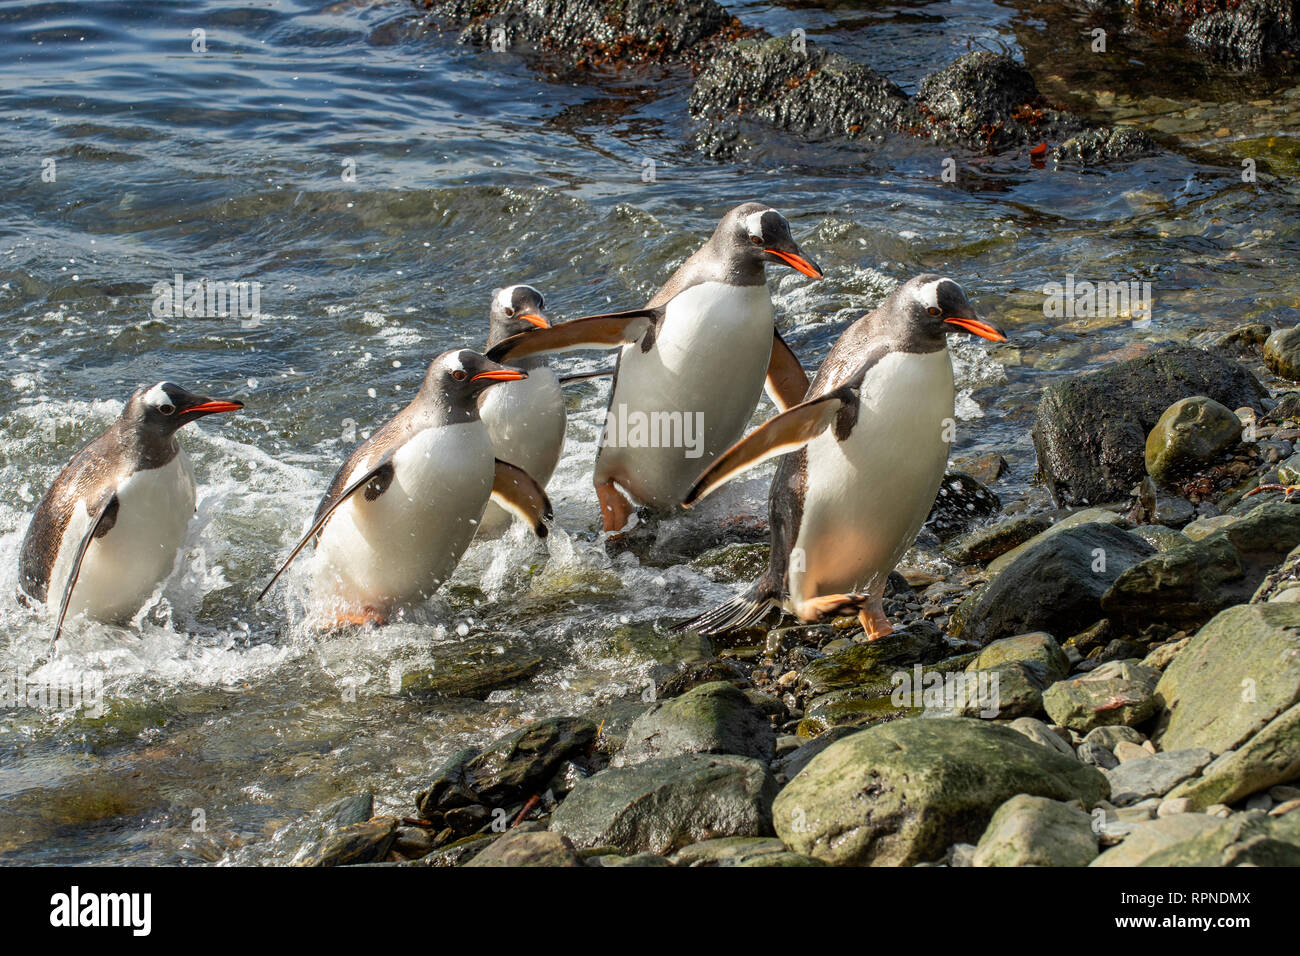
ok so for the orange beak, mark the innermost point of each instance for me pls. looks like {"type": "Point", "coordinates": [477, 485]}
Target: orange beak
{"type": "Point", "coordinates": [796, 262]}
{"type": "Point", "coordinates": [536, 318]}
{"type": "Point", "coordinates": [978, 327]}
{"type": "Point", "coordinates": [207, 408]}
{"type": "Point", "coordinates": [501, 375]}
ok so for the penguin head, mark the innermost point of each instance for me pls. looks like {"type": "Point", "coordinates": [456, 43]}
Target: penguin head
{"type": "Point", "coordinates": [158, 410]}
{"type": "Point", "coordinates": [515, 309]}
{"type": "Point", "coordinates": [461, 375]}
{"type": "Point", "coordinates": [759, 234]}
{"type": "Point", "coordinates": [932, 307]}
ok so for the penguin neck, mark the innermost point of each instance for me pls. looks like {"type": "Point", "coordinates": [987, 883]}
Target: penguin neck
{"type": "Point", "coordinates": [146, 447]}
{"type": "Point", "coordinates": [434, 410]}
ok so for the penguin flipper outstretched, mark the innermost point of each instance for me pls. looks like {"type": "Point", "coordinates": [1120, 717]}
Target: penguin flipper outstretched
{"type": "Point", "coordinates": [381, 476]}
{"type": "Point", "coordinates": [781, 435]}
{"type": "Point", "coordinates": [608, 330]}
{"type": "Point", "coordinates": [574, 379]}
{"type": "Point", "coordinates": [517, 492]}
{"type": "Point", "coordinates": [787, 382]}
{"type": "Point", "coordinates": [102, 522]}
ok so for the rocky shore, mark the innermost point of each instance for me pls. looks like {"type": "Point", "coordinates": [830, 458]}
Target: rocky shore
{"type": "Point", "coordinates": [1111, 684]}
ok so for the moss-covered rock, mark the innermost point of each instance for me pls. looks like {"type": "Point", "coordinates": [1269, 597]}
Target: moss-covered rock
{"type": "Point", "coordinates": [1118, 692]}
{"type": "Point", "coordinates": [1192, 433]}
{"type": "Point", "coordinates": [712, 718]}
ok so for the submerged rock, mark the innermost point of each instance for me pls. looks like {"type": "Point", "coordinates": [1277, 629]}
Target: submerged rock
{"type": "Point", "coordinates": [1105, 144]}
{"type": "Point", "coordinates": [1035, 831]}
{"type": "Point", "coordinates": [367, 842]}
{"type": "Point", "coordinates": [470, 669]}
{"type": "Point", "coordinates": [664, 804]}
{"type": "Point", "coordinates": [1090, 431]}
{"type": "Point", "coordinates": [903, 792]}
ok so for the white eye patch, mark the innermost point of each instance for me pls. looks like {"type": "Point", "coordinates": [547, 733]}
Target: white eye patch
{"type": "Point", "coordinates": [156, 397]}
{"type": "Point", "coordinates": [505, 297]}
{"type": "Point", "coordinates": [928, 294]}
{"type": "Point", "coordinates": [754, 223]}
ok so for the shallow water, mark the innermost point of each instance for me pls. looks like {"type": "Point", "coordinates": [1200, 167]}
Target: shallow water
{"type": "Point", "coordinates": [472, 171]}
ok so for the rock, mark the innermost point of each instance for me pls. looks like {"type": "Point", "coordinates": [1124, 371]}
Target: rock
{"type": "Point", "coordinates": [357, 808]}
{"type": "Point", "coordinates": [459, 852]}
{"type": "Point", "coordinates": [582, 33]}
{"type": "Point", "coordinates": [1156, 775]}
{"type": "Point", "coordinates": [1160, 537]}
{"type": "Point", "coordinates": [1067, 522]}
{"type": "Point", "coordinates": [1163, 655]}
{"type": "Point", "coordinates": [470, 669]}
{"type": "Point", "coordinates": [1120, 692]}
{"type": "Point", "coordinates": [1109, 736]}
{"type": "Point", "coordinates": [1103, 145]}
{"type": "Point", "coordinates": [813, 94]}
{"type": "Point", "coordinates": [788, 767]}
{"type": "Point", "coordinates": [1095, 755]}
{"type": "Point", "coordinates": [1009, 690]}
{"type": "Point", "coordinates": [1090, 432]}
{"type": "Point", "coordinates": [984, 468]}
{"type": "Point", "coordinates": [1249, 36]}
{"type": "Point", "coordinates": [1282, 353]}
{"type": "Point", "coordinates": [1126, 751]}
{"type": "Point", "coordinates": [781, 859]}
{"type": "Point", "coordinates": [988, 102]}
{"type": "Point", "coordinates": [1238, 673]}
{"type": "Point", "coordinates": [528, 848]}
{"type": "Point", "coordinates": [1034, 831]}
{"type": "Point", "coordinates": [1037, 651]}
{"type": "Point", "coordinates": [704, 672]}
{"type": "Point", "coordinates": [1192, 432]}
{"type": "Point", "coordinates": [509, 771]}
{"type": "Point", "coordinates": [1240, 840]}
{"type": "Point", "coordinates": [1173, 806]}
{"type": "Point", "coordinates": [873, 662]}
{"type": "Point", "coordinates": [1184, 587]}
{"type": "Point", "coordinates": [636, 859]}
{"type": "Point", "coordinates": [1202, 528]}
{"type": "Point", "coordinates": [900, 793]}
{"type": "Point", "coordinates": [367, 842]}
{"type": "Point", "coordinates": [985, 544]}
{"type": "Point", "coordinates": [961, 503]}
{"type": "Point", "coordinates": [662, 805]}
{"type": "Point", "coordinates": [1054, 585]}
{"type": "Point", "coordinates": [1149, 839]}
{"type": "Point", "coordinates": [712, 718]}
{"type": "Point", "coordinates": [727, 851]}
{"type": "Point", "coordinates": [1270, 757]}
{"type": "Point", "coordinates": [613, 720]}
{"type": "Point", "coordinates": [1039, 732]}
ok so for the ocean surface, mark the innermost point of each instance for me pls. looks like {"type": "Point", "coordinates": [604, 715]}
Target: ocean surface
{"type": "Point", "coordinates": [379, 181]}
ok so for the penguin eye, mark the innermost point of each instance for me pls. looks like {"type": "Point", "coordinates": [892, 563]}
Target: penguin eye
{"type": "Point", "coordinates": [756, 240]}
{"type": "Point", "coordinates": [167, 409]}
{"type": "Point", "coordinates": [509, 311]}
{"type": "Point", "coordinates": [934, 310]}
{"type": "Point", "coordinates": [458, 375]}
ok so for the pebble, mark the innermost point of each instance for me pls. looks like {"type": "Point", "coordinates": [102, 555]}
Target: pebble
{"type": "Point", "coordinates": [1285, 807]}
{"type": "Point", "coordinates": [1260, 802]}
{"type": "Point", "coordinates": [1220, 810]}
{"type": "Point", "coordinates": [1284, 793]}
{"type": "Point", "coordinates": [1126, 750]}
{"type": "Point", "coordinates": [1172, 806]}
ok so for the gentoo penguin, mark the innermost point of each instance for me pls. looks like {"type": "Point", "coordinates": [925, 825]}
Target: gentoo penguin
{"type": "Point", "coordinates": [691, 365]}
{"type": "Point", "coordinates": [524, 419]}
{"type": "Point", "coordinates": [108, 529]}
{"type": "Point", "coordinates": [403, 508]}
{"type": "Point", "coordinates": [864, 456]}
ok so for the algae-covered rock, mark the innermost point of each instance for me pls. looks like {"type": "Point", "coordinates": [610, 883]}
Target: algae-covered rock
{"type": "Point", "coordinates": [711, 718]}
{"type": "Point", "coordinates": [1270, 757]}
{"type": "Point", "coordinates": [1118, 692]}
{"type": "Point", "coordinates": [1038, 651]}
{"type": "Point", "coordinates": [902, 792]}
{"type": "Point", "coordinates": [664, 804]}
{"type": "Point", "coordinates": [1035, 831]}
{"type": "Point", "coordinates": [1238, 673]}
{"type": "Point", "coordinates": [1191, 433]}
{"type": "Point", "coordinates": [529, 848]}
{"type": "Point", "coordinates": [873, 662]}
{"type": "Point", "coordinates": [1184, 587]}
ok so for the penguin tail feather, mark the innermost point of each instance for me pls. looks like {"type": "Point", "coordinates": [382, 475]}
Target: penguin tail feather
{"type": "Point", "coordinates": [740, 612]}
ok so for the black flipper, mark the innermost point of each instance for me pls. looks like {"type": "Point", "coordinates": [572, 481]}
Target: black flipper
{"type": "Point", "coordinates": [102, 523]}
{"type": "Point", "coordinates": [584, 377]}
{"type": "Point", "coordinates": [382, 477]}
{"type": "Point", "coordinates": [609, 330]}
{"type": "Point", "coordinates": [519, 493]}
